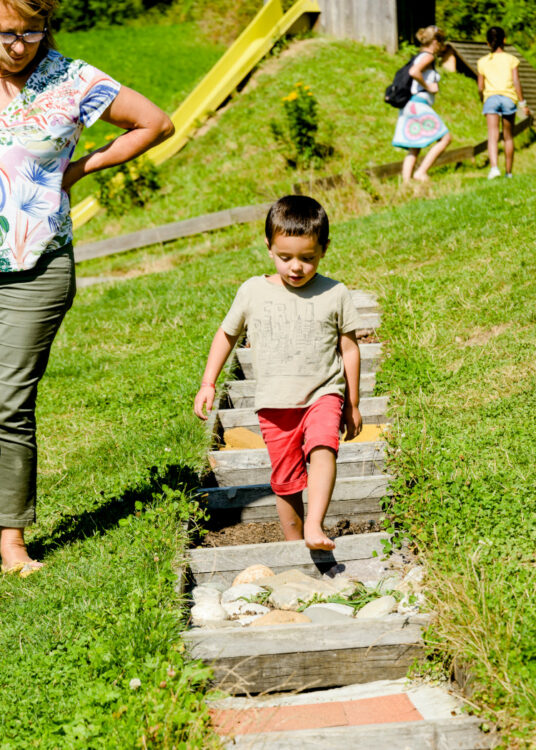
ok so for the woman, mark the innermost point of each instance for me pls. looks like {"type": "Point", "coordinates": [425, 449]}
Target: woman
{"type": "Point", "coordinates": [500, 90]}
{"type": "Point", "coordinates": [45, 101]}
{"type": "Point", "coordinates": [418, 126]}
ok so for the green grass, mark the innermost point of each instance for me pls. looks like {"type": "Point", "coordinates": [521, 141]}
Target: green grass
{"type": "Point", "coordinates": [119, 445]}
{"type": "Point", "coordinates": [164, 63]}
{"type": "Point", "coordinates": [348, 80]}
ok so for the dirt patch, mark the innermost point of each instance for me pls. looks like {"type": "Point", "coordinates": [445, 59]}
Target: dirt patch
{"type": "Point", "coordinates": [263, 533]}
{"type": "Point", "coordinates": [481, 336]}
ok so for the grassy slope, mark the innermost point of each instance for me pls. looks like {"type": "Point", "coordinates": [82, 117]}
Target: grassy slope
{"type": "Point", "coordinates": [129, 357]}
{"type": "Point", "coordinates": [163, 63]}
{"type": "Point", "coordinates": [348, 80]}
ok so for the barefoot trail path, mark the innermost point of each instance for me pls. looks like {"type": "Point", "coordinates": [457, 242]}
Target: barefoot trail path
{"type": "Point", "coordinates": [336, 678]}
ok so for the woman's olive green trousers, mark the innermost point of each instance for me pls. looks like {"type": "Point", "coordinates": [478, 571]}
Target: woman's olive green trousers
{"type": "Point", "coordinates": [32, 306]}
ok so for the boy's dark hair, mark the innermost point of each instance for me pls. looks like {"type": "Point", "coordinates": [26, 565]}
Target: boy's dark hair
{"type": "Point", "coordinates": [495, 37]}
{"type": "Point", "coordinates": [297, 216]}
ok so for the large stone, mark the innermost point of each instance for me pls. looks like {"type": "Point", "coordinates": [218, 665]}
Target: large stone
{"type": "Point", "coordinates": [240, 607]}
{"type": "Point", "coordinates": [252, 574]}
{"type": "Point", "coordinates": [243, 590]}
{"type": "Point", "coordinates": [328, 614]}
{"type": "Point", "coordinates": [292, 595]}
{"type": "Point", "coordinates": [280, 617]}
{"type": "Point", "coordinates": [342, 585]}
{"type": "Point", "coordinates": [377, 608]}
{"type": "Point", "coordinates": [412, 581]}
{"type": "Point", "coordinates": [207, 613]}
{"type": "Point", "coordinates": [287, 576]}
{"type": "Point", "coordinates": [385, 585]}
{"type": "Point", "coordinates": [204, 593]}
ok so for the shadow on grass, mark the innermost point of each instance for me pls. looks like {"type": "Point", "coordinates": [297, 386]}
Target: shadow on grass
{"type": "Point", "coordinates": [97, 521]}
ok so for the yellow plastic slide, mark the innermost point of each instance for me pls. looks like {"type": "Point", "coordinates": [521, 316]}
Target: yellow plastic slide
{"type": "Point", "coordinates": [256, 40]}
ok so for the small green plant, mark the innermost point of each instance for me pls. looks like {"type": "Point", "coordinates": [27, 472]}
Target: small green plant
{"type": "Point", "coordinates": [127, 185]}
{"type": "Point", "coordinates": [297, 136]}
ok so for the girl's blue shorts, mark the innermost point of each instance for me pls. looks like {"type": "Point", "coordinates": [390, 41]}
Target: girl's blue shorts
{"type": "Point", "coordinates": [497, 104]}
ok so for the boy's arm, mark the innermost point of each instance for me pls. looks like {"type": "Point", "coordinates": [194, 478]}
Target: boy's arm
{"type": "Point", "coordinates": [222, 346]}
{"type": "Point", "coordinates": [351, 416]}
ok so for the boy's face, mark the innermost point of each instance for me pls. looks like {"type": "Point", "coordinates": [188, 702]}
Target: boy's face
{"type": "Point", "coordinates": [296, 258]}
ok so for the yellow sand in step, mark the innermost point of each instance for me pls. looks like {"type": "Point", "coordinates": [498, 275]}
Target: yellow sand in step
{"type": "Point", "coordinates": [369, 433]}
{"type": "Point", "coordinates": [240, 438]}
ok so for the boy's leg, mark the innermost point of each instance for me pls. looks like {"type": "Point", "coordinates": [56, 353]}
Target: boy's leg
{"type": "Point", "coordinates": [283, 435]}
{"type": "Point", "coordinates": [290, 512]}
{"type": "Point", "coordinates": [322, 473]}
{"type": "Point", "coordinates": [321, 428]}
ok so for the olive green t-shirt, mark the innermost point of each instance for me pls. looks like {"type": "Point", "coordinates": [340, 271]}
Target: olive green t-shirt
{"type": "Point", "coordinates": [294, 334]}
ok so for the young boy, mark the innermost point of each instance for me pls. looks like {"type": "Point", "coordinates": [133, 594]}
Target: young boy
{"type": "Point", "coordinates": [301, 328]}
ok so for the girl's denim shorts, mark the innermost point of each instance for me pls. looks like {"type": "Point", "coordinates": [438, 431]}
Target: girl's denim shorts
{"type": "Point", "coordinates": [497, 104]}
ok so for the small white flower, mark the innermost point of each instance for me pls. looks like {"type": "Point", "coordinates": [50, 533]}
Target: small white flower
{"type": "Point", "coordinates": [134, 683]}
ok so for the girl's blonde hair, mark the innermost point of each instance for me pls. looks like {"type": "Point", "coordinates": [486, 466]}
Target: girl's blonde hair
{"type": "Point", "coordinates": [429, 34]}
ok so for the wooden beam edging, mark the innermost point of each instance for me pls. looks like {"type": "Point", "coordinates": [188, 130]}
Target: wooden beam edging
{"type": "Point", "coordinates": [395, 168]}
{"type": "Point", "coordinates": [169, 232]}
{"type": "Point", "coordinates": [246, 214]}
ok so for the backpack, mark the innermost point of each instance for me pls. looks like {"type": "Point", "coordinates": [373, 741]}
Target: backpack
{"type": "Point", "coordinates": [398, 93]}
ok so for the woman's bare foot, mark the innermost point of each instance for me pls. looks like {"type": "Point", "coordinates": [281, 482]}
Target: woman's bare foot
{"type": "Point", "coordinates": [316, 539]}
{"type": "Point", "coordinates": [14, 554]}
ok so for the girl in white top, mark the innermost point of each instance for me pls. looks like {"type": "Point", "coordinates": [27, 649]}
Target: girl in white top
{"type": "Point", "coordinates": [418, 125]}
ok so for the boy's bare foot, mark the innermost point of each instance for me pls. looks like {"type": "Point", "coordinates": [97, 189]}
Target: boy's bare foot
{"type": "Point", "coordinates": [316, 539]}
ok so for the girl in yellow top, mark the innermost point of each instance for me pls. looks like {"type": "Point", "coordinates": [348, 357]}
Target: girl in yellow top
{"type": "Point", "coordinates": [500, 90]}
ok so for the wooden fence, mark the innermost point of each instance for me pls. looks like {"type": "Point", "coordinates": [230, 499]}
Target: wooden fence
{"type": "Point", "coordinates": [370, 21]}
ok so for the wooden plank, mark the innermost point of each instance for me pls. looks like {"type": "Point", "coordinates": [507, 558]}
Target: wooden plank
{"type": "Point", "coordinates": [294, 657]}
{"type": "Point", "coordinates": [370, 358]}
{"type": "Point", "coordinates": [169, 232]}
{"type": "Point", "coordinates": [253, 466]}
{"type": "Point", "coordinates": [321, 669]}
{"type": "Point", "coordinates": [457, 733]}
{"type": "Point", "coordinates": [241, 392]}
{"type": "Point", "coordinates": [356, 499]}
{"type": "Point", "coordinates": [304, 638]}
{"type": "Point", "coordinates": [373, 410]}
{"type": "Point", "coordinates": [365, 302]}
{"type": "Point", "coordinates": [283, 555]}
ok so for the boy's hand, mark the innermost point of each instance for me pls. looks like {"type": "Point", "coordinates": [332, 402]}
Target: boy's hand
{"type": "Point", "coordinates": [205, 397]}
{"type": "Point", "coordinates": [351, 419]}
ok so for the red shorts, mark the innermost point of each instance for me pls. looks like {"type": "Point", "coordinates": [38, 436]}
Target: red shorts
{"type": "Point", "coordinates": [291, 434]}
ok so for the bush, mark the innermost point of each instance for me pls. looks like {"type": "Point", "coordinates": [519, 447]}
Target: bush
{"type": "Point", "coordinates": [127, 185]}
{"type": "Point", "coordinates": [78, 15]}
{"type": "Point", "coordinates": [297, 136]}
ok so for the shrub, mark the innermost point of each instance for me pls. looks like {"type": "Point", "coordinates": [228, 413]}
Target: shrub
{"type": "Point", "coordinates": [297, 135]}
{"type": "Point", "coordinates": [127, 185]}
{"type": "Point", "coordinates": [76, 15]}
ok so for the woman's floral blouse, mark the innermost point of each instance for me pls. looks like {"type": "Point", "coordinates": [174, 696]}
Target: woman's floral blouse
{"type": "Point", "coordinates": [39, 130]}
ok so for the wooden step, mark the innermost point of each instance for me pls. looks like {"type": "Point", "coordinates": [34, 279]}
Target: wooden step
{"type": "Point", "coordinates": [456, 733]}
{"type": "Point", "coordinates": [241, 392]}
{"type": "Point", "coordinates": [305, 656]}
{"type": "Point", "coordinates": [354, 498]}
{"type": "Point", "coordinates": [373, 411]}
{"type": "Point", "coordinates": [365, 302]}
{"type": "Point", "coordinates": [239, 467]}
{"type": "Point", "coordinates": [370, 359]}
{"type": "Point", "coordinates": [352, 556]}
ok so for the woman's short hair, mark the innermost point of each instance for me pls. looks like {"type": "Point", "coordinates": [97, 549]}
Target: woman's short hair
{"type": "Point", "coordinates": [43, 9]}
{"type": "Point", "coordinates": [495, 37]}
{"type": "Point", "coordinates": [297, 216]}
{"type": "Point", "coordinates": [429, 34]}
